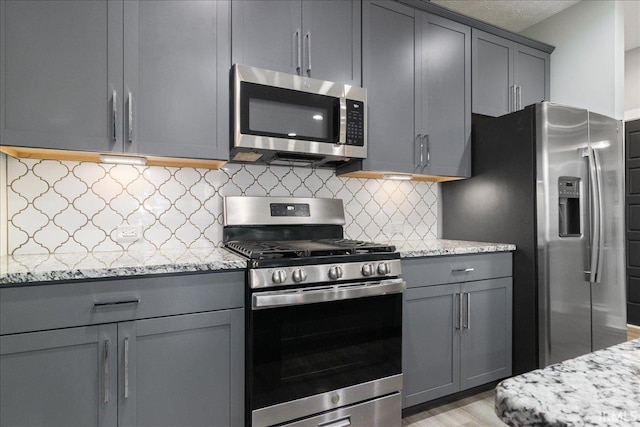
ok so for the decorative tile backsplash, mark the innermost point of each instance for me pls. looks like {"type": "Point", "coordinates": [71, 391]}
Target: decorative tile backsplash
{"type": "Point", "coordinates": [59, 206]}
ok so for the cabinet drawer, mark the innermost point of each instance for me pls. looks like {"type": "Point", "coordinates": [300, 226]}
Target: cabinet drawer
{"type": "Point", "coordinates": [42, 307]}
{"type": "Point", "coordinates": [456, 268]}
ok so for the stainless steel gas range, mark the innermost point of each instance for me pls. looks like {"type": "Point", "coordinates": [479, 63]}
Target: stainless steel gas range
{"type": "Point", "coordinates": [323, 316]}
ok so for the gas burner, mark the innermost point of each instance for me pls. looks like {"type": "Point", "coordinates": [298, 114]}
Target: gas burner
{"type": "Point", "coordinates": [306, 248]}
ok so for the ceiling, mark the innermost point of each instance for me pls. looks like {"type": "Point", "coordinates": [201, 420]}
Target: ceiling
{"type": "Point", "coordinates": [517, 15]}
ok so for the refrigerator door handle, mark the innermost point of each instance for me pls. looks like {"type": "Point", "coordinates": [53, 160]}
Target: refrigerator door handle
{"type": "Point", "coordinates": [595, 216]}
{"type": "Point", "coordinates": [599, 207]}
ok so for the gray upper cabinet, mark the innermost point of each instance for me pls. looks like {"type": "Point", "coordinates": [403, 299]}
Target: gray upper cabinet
{"type": "Point", "coordinates": [507, 76]}
{"type": "Point", "coordinates": [176, 78]}
{"type": "Point", "coordinates": [315, 38]}
{"type": "Point", "coordinates": [63, 377]}
{"type": "Point", "coordinates": [445, 96]}
{"type": "Point", "coordinates": [140, 77]}
{"type": "Point", "coordinates": [389, 66]}
{"type": "Point", "coordinates": [417, 71]}
{"type": "Point", "coordinates": [60, 63]}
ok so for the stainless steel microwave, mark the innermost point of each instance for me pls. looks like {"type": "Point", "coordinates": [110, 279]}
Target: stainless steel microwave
{"type": "Point", "coordinates": [287, 119]}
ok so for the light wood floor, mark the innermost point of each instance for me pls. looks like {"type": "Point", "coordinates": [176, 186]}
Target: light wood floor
{"type": "Point", "coordinates": [472, 411]}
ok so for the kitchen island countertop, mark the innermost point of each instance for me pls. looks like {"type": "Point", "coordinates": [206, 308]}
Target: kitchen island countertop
{"type": "Point", "coordinates": [597, 389]}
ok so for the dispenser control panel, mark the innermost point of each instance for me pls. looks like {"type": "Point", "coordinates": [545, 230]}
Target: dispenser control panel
{"type": "Point", "coordinates": [569, 222]}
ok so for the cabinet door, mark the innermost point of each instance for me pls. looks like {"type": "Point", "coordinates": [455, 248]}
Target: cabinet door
{"type": "Point", "coordinates": [332, 40]}
{"type": "Point", "coordinates": [177, 78]}
{"type": "Point", "coordinates": [486, 333]}
{"type": "Point", "coordinates": [64, 377]}
{"type": "Point", "coordinates": [61, 62]}
{"type": "Point", "coordinates": [431, 343]}
{"type": "Point", "coordinates": [389, 67]}
{"type": "Point", "coordinates": [267, 34]}
{"type": "Point", "coordinates": [446, 95]}
{"type": "Point", "coordinates": [531, 75]}
{"type": "Point", "coordinates": [492, 74]}
{"type": "Point", "coordinates": [182, 370]}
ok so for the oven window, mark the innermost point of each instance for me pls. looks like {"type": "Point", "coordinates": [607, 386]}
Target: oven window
{"type": "Point", "coordinates": [304, 350]}
{"type": "Point", "coordinates": [289, 114]}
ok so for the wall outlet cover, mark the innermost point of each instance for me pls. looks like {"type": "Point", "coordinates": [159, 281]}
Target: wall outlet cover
{"type": "Point", "coordinates": [128, 233]}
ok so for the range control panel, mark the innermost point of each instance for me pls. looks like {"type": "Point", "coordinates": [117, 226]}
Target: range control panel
{"type": "Point", "coordinates": [290, 209]}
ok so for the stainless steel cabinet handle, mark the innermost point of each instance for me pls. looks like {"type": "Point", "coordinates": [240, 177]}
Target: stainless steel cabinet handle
{"type": "Point", "coordinates": [428, 145]}
{"type": "Point", "coordinates": [420, 149]}
{"type": "Point", "coordinates": [458, 320]}
{"type": "Point", "coordinates": [518, 97]}
{"type": "Point", "coordinates": [130, 118]}
{"type": "Point", "coordinates": [468, 325]}
{"type": "Point", "coordinates": [298, 54]}
{"type": "Point", "coordinates": [106, 371]}
{"type": "Point", "coordinates": [512, 104]}
{"type": "Point", "coordinates": [116, 302]}
{"type": "Point", "coordinates": [308, 38]}
{"type": "Point", "coordinates": [126, 367]}
{"type": "Point", "coordinates": [114, 116]}
{"type": "Point", "coordinates": [344, 422]}
{"type": "Point", "coordinates": [462, 270]}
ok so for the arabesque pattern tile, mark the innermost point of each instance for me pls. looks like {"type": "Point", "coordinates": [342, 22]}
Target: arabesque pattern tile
{"type": "Point", "coordinates": [62, 207]}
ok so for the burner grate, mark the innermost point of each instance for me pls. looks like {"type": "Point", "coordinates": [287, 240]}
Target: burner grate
{"type": "Point", "coordinates": [306, 248]}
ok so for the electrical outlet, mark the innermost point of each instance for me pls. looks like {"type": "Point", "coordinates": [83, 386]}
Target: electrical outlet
{"type": "Point", "coordinates": [128, 233]}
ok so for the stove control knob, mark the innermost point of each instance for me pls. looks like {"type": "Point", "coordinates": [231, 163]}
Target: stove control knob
{"type": "Point", "coordinates": [335, 272]}
{"type": "Point", "coordinates": [367, 270]}
{"type": "Point", "coordinates": [383, 268]}
{"type": "Point", "coordinates": [279, 276]}
{"type": "Point", "coordinates": [299, 275]}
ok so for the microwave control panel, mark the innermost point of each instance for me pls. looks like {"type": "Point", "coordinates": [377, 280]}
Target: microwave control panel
{"type": "Point", "coordinates": [355, 122]}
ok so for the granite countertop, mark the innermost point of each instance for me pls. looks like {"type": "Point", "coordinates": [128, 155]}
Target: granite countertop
{"type": "Point", "coordinates": [26, 269]}
{"type": "Point", "coordinates": [36, 269]}
{"type": "Point", "coordinates": [597, 389]}
{"type": "Point", "coordinates": [437, 247]}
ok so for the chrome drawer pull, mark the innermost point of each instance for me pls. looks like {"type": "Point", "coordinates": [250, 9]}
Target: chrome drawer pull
{"type": "Point", "coordinates": [106, 371]}
{"type": "Point", "coordinates": [344, 422]}
{"type": "Point", "coordinates": [121, 302]}
{"type": "Point", "coordinates": [463, 270]}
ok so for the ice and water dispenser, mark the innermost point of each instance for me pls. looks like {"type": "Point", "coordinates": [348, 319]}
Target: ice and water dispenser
{"type": "Point", "coordinates": [569, 206]}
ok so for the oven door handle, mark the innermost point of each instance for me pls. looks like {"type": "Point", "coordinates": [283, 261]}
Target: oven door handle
{"type": "Point", "coordinates": [317, 294]}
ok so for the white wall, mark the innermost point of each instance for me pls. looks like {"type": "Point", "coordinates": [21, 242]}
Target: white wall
{"type": "Point", "coordinates": [587, 66]}
{"type": "Point", "coordinates": [632, 84]}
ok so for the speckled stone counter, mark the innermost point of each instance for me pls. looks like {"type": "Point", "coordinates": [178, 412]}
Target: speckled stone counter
{"type": "Point", "coordinates": [26, 269]}
{"type": "Point", "coordinates": [597, 389]}
{"type": "Point", "coordinates": [438, 247]}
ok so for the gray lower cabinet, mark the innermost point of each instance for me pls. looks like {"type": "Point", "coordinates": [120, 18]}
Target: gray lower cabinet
{"type": "Point", "coordinates": [174, 369]}
{"type": "Point", "coordinates": [60, 378]}
{"type": "Point", "coordinates": [507, 76]}
{"type": "Point", "coordinates": [314, 38]}
{"type": "Point", "coordinates": [457, 333]}
{"type": "Point", "coordinates": [139, 77]}
{"type": "Point", "coordinates": [416, 68]}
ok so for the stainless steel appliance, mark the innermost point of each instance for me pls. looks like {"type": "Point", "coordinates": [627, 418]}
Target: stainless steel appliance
{"type": "Point", "coordinates": [323, 315]}
{"type": "Point", "coordinates": [287, 119]}
{"type": "Point", "coordinates": [550, 179]}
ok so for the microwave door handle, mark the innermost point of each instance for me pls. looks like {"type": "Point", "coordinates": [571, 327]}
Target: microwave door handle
{"type": "Point", "coordinates": [342, 138]}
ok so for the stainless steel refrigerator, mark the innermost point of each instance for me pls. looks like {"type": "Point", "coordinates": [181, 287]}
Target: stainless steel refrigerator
{"type": "Point", "coordinates": [550, 178]}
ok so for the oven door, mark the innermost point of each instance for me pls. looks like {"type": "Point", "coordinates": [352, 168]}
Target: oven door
{"type": "Point", "coordinates": [319, 348]}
